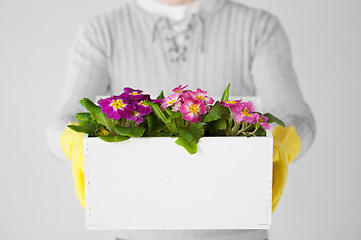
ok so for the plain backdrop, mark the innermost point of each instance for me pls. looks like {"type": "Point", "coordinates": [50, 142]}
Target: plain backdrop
{"type": "Point", "coordinates": [322, 199]}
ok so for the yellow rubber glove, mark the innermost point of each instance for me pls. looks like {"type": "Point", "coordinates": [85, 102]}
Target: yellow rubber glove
{"type": "Point", "coordinates": [71, 144]}
{"type": "Point", "coordinates": [286, 147]}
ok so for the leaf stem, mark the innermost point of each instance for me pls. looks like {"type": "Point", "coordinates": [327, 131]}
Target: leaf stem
{"type": "Point", "coordinates": [242, 129]}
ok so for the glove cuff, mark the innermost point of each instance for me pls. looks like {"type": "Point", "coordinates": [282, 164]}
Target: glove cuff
{"type": "Point", "coordinates": [289, 139]}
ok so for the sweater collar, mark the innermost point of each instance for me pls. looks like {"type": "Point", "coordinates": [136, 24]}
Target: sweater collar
{"type": "Point", "coordinates": [202, 8]}
{"type": "Point", "coordinates": [174, 13]}
{"type": "Point", "coordinates": [197, 14]}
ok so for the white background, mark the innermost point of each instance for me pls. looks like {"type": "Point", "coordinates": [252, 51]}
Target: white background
{"type": "Point", "coordinates": [323, 194]}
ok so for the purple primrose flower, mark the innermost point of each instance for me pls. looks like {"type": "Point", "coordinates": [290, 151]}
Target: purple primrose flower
{"type": "Point", "coordinates": [116, 107]}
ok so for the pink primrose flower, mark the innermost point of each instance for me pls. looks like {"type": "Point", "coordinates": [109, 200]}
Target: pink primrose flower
{"type": "Point", "coordinates": [202, 95]}
{"type": "Point", "coordinates": [116, 107]}
{"type": "Point", "coordinates": [262, 120]}
{"type": "Point", "coordinates": [208, 108]}
{"type": "Point", "coordinates": [244, 112]}
{"type": "Point", "coordinates": [170, 100]}
{"type": "Point", "coordinates": [232, 104]}
{"type": "Point", "coordinates": [179, 89]}
{"type": "Point", "coordinates": [176, 106]}
{"type": "Point", "coordinates": [192, 110]}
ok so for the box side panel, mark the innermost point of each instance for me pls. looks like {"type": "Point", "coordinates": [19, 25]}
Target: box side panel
{"type": "Point", "coordinates": [154, 184]}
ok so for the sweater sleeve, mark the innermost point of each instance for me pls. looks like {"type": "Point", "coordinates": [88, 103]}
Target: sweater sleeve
{"type": "Point", "coordinates": [87, 76]}
{"type": "Point", "coordinates": [275, 79]}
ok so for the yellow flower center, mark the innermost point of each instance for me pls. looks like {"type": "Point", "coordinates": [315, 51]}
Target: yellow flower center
{"type": "Point", "coordinates": [200, 97]}
{"type": "Point", "coordinates": [117, 104]}
{"type": "Point", "coordinates": [246, 113]}
{"type": "Point", "coordinates": [103, 131]}
{"type": "Point", "coordinates": [231, 102]}
{"type": "Point", "coordinates": [260, 120]}
{"type": "Point", "coordinates": [193, 109]}
{"type": "Point", "coordinates": [143, 103]}
{"type": "Point", "coordinates": [134, 93]}
{"type": "Point", "coordinates": [171, 102]}
{"type": "Point", "coordinates": [134, 113]}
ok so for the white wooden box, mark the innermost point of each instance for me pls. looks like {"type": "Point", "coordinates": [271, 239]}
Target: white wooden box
{"type": "Point", "coordinates": [152, 183]}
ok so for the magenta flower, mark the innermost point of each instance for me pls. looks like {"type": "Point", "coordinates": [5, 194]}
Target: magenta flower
{"type": "Point", "coordinates": [146, 97]}
{"type": "Point", "coordinates": [262, 120]}
{"type": "Point", "coordinates": [136, 117]}
{"type": "Point", "coordinates": [192, 110]}
{"type": "Point", "coordinates": [131, 94]}
{"type": "Point", "coordinates": [179, 89]}
{"type": "Point", "coordinates": [143, 108]}
{"type": "Point", "coordinates": [244, 112]}
{"type": "Point", "coordinates": [116, 107]}
{"type": "Point", "coordinates": [170, 100]}
{"type": "Point", "coordinates": [202, 95]}
{"type": "Point", "coordinates": [232, 104]}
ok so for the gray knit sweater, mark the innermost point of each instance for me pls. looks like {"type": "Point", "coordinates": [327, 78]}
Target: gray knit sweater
{"type": "Point", "coordinates": [229, 43]}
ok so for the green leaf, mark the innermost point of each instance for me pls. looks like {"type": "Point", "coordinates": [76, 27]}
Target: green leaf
{"type": "Point", "coordinates": [85, 127]}
{"type": "Point", "coordinates": [83, 116]}
{"type": "Point", "coordinates": [130, 131]}
{"type": "Point", "coordinates": [225, 95]}
{"type": "Point", "coordinates": [213, 132]}
{"type": "Point", "coordinates": [216, 112]}
{"type": "Point", "coordinates": [97, 115]}
{"type": "Point", "coordinates": [220, 124]}
{"type": "Point", "coordinates": [113, 138]}
{"type": "Point", "coordinates": [168, 120]}
{"type": "Point", "coordinates": [191, 147]}
{"type": "Point", "coordinates": [152, 121]}
{"type": "Point", "coordinates": [155, 127]}
{"type": "Point", "coordinates": [173, 114]}
{"type": "Point", "coordinates": [193, 133]}
{"type": "Point", "coordinates": [161, 95]}
{"type": "Point", "coordinates": [155, 124]}
{"type": "Point", "coordinates": [272, 119]}
{"type": "Point", "coordinates": [260, 132]}
{"type": "Point", "coordinates": [158, 112]}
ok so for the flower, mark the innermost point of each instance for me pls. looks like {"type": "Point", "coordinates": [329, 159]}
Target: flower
{"type": "Point", "coordinates": [176, 106]}
{"type": "Point", "coordinates": [201, 95]}
{"type": "Point", "coordinates": [232, 104]}
{"type": "Point", "coordinates": [131, 94]}
{"type": "Point", "coordinates": [179, 89]}
{"type": "Point", "coordinates": [244, 112]}
{"type": "Point", "coordinates": [192, 110]}
{"type": "Point", "coordinates": [129, 105]}
{"type": "Point", "coordinates": [170, 100]}
{"type": "Point", "coordinates": [262, 120]}
{"type": "Point", "coordinates": [143, 108]}
{"type": "Point", "coordinates": [135, 116]}
{"type": "Point", "coordinates": [116, 107]}
{"type": "Point", "coordinates": [146, 97]}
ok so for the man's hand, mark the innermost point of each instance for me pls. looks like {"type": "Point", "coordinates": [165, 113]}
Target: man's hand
{"type": "Point", "coordinates": [286, 147]}
{"type": "Point", "coordinates": [71, 143]}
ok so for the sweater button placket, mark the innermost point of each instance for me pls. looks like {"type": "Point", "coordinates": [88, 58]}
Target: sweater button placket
{"type": "Point", "coordinates": [176, 52]}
